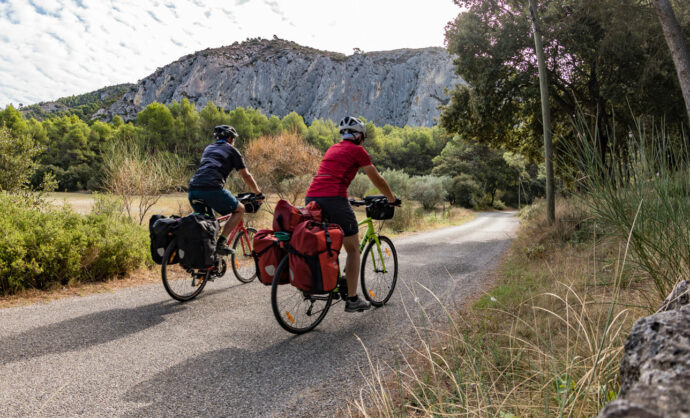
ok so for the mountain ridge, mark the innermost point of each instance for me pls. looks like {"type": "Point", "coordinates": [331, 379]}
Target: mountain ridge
{"type": "Point", "coordinates": [399, 87]}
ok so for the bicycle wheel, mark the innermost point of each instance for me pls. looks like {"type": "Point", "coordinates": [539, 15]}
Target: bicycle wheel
{"type": "Point", "coordinates": [378, 283]}
{"type": "Point", "coordinates": [180, 283]}
{"type": "Point", "coordinates": [242, 261]}
{"type": "Point", "coordinates": [297, 311]}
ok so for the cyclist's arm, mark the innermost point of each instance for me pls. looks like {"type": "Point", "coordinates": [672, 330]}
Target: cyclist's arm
{"type": "Point", "coordinates": [379, 182]}
{"type": "Point", "coordinates": [249, 179]}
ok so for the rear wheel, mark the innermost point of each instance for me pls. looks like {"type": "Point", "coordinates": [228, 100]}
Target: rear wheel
{"type": "Point", "coordinates": [379, 271]}
{"type": "Point", "coordinates": [242, 261]}
{"type": "Point", "coordinates": [297, 311]}
{"type": "Point", "coordinates": [180, 283]}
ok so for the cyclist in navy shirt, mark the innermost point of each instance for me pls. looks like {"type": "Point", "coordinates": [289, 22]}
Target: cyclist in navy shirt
{"type": "Point", "coordinates": [208, 184]}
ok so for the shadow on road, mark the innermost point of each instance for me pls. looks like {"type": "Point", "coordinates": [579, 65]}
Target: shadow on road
{"type": "Point", "coordinates": [240, 382]}
{"type": "Point", "coordinates": [84, 331]}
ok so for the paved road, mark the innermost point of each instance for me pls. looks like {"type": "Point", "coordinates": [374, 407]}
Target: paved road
{"type": "Point", "coordinates": [136, 352]}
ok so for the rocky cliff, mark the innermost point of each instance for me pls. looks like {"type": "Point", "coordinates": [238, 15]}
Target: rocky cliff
{"type": "Point", "coordinates": [397, 87]}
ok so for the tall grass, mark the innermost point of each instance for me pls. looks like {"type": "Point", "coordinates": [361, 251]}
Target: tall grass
{"type": "Point", "coordinates": [653, 172]}
{"type": "Point", "coordinates": [546, 342]}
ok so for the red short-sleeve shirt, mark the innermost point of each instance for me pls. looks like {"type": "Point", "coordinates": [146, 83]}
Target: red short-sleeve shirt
{"type": "Point", "coordinates": [338, 167]}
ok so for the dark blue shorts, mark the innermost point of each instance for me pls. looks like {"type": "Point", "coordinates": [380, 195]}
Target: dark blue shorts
{"type": "Point", "coordinates": [220, 200]}
{"type": "Point", "coordinates": [338, 211]}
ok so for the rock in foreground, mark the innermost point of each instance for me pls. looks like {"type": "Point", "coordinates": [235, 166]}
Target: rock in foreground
{"type": "Point", "coordinates": [655, 370]}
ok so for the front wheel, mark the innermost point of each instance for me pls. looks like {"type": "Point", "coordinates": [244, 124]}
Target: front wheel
{"type": "Point", "coordinates": [297, 311]}
{"type": "Point", "coordinates": [180, 283]}
{"type": "Point", "coordinates": [379, 271]}
{"type": "Point", "coordinates": [242, 260]}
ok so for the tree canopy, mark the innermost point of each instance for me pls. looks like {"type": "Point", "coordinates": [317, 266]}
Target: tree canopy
{"type": "Point", "coordinates": [606, 57]}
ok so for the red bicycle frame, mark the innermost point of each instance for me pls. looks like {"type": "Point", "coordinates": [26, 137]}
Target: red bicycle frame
{"type": "Point", "coordinates": [246, 245]}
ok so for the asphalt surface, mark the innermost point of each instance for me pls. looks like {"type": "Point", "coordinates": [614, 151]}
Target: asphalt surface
{"type": "Point", "coordinates": [136, 352]}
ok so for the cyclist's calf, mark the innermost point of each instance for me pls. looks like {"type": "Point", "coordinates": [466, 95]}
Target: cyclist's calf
{"type": "Point", "coordinates": [351, 245]}
{"type": "Point", "coordinates": [234, 219]}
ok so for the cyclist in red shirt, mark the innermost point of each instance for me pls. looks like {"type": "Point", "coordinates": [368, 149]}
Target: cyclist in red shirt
{"type": "Point", "coordinates": [329, 189]}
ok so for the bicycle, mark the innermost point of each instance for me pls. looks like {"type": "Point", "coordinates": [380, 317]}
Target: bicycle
{"type": "Point", "coordinates": [185, 284]}
{"type": "Point", "coordinates": [298, 312]}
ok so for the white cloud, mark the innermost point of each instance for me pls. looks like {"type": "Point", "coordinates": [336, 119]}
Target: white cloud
{"type": "Point", "coordinates": [56, 48]}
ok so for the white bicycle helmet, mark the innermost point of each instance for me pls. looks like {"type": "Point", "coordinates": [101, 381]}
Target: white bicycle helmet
{"type": "Point", "coordinates": [350, 123]}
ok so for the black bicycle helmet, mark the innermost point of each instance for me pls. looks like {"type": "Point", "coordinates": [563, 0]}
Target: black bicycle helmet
{"type": "Point", "coordinates": [352, 124]}
{"type": "Point", "coordinates": [225, 132]}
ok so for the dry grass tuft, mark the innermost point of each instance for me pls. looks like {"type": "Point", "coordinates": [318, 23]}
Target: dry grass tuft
{"type": "Point", "coordinates": [546, 341]}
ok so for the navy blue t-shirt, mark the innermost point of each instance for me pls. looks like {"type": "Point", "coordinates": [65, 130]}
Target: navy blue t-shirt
{"type": "Point", "coordinates": [217, 161]}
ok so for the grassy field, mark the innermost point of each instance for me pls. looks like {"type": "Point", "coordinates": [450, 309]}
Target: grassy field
{"type": "Point", "coordinates": [412, 219]}
{"type": "Point", "coordinates": [83, 202]}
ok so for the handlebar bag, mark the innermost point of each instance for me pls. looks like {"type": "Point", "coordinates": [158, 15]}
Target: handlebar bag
{"type": "Point", "coordinates": [286, 216]}
{"type": "Point", "coordinates": [314, 256]}
{"type": "Point", "coordinates": [196, 240]}
{"type": "Point", "coordinates": [378, 208]}
{"type": "Point", "coordinates": [250, 205]}
{"type": "Point", "coordinates": [268, 252]}
{"type": "Point", "coordinates": [161, 233]}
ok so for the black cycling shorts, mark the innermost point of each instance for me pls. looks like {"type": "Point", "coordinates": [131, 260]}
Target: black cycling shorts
{"type": "Point", "coordinates": [338, 211]}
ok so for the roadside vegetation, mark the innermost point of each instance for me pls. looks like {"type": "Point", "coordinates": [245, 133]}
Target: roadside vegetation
{"type": "Point", "coordinates": [548, 338]}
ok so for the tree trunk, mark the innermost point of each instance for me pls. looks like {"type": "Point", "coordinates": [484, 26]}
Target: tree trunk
{"type": "Point", "coordinates": [677, 45]}
{"type": "Point", "coordinates": [546, 115]}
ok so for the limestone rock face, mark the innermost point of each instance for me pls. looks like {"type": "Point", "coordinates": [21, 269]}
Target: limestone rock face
{"type": "Point", "coordinates": [655, 370]}
{"type": "Point", "coordinates": [396, 87]}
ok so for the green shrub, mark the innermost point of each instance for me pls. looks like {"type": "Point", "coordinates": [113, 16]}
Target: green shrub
{"type": "Point", "coordinates": [427, 190]}
{"type": "Point", "coordinates": [399, 182]}
{"type": "Point", "coordinates": [462, 190]}
{"type": "Point", "coordinates": [43, 247]}
{"type": "Point", "coordinates": [359, 186]}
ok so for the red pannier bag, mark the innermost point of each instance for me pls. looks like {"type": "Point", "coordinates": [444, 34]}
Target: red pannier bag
{"type": "Point", "coordinates": [314, 256]}
{"type": "Point", "coordinates": [286, 217]}
{"type": "Point", "coordinates": [268, 252]}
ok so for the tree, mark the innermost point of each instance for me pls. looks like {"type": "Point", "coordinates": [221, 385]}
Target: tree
{"type": "Point", "coordinates": [157, 125]}
{"type": "Point", "coordinates": [546, 114]}
{"type": "Point", "coordinates": [486, 166]}
{"type": "Point", "coordinates": [605, 57]}
{"type": "Point", "coordinates": [677, 45]}
{"type": "Point", "coordinates": [17, 164]}
{"type": "Point", "coordinates": [293, 122]}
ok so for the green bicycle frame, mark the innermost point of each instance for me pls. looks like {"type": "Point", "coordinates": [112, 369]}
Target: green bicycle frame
{"type": "Point", "coordinates": [369, 235]}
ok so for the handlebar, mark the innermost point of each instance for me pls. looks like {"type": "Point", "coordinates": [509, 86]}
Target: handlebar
{"type": "Point", "coordinates": [383, 200]}
{"type": "Point", "coordinates": [250, 196]}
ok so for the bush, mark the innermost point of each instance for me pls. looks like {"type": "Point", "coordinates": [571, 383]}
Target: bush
{"type": "Point", "coordinates": [44, 247]}
{"type": "Point", "coordinates": [427, 190]}
{"type": "Point", "coordinates": [399, 182]}
{"type": "Point", "coordinates": [359, 186]}
{"type": "Point", "coordinates": [404, 219]}
{"type": "Point", "coordinates": [279, 162]}
{"type": "Point", "coordinates": [462, 191]}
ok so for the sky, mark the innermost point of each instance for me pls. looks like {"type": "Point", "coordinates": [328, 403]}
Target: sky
{"type": "Point", "coordinates": [56, 48]}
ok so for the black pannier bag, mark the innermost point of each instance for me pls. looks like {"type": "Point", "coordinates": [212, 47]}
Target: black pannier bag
{"type": "Point", "coordinates": [161, 233]}
{"type": "Point", "coordinates": [378, 207]}
{"type": "Point", "coordinates": [196, 240]}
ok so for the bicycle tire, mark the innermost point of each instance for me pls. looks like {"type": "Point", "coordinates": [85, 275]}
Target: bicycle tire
{"type": "Point", "coordinates": [378, 286]}
{"type": "Point", "coordinates": [296, 304]}
{"type": "Point", "coordinates": [242, 260]}
{"type": "Point", "coordinates": [176, 278]}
